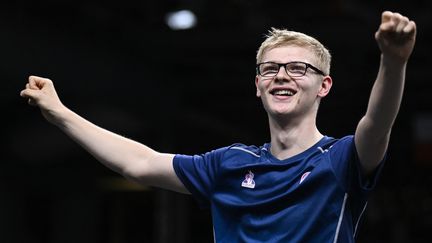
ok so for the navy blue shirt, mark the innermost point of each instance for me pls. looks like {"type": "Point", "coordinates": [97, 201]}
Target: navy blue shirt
{"type": "Point", "coordinates": [318, 195]}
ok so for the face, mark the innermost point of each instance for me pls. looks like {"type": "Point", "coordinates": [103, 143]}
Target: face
{"type": "Point", "coordinates": [286, 96]}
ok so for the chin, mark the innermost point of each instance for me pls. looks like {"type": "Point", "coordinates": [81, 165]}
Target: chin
{"type": "Point", "coordinates": [280, 113]}
{"type": "Point", "coordinates": [281, 110]}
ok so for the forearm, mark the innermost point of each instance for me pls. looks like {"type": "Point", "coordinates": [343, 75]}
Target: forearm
{"type": "Point", "coordinates": [373, 131]}
{"type": "Point", "coordinates": [114, 151]}
{"type": "Point", "coordinates": [386, 96]}
{"type": "Point", "coordinates": [395, 38]}
{"type": "Point", "coordinates": [125, 156]}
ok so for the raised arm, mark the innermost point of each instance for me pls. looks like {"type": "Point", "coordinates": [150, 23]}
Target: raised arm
{"type": "Point", "coordinates": [396, 38]}
{"type": "Point", "coordinates": [129, 158]}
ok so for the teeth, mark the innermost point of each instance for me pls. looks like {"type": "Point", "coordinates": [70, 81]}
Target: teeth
{"type": "Point", "coordinates": [283, 92]}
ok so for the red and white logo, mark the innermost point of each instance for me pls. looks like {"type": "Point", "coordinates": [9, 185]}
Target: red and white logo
{"type": "Point", "coordinates": [249, 181]}
{"type": "Point", "coordinates": [303, 177]}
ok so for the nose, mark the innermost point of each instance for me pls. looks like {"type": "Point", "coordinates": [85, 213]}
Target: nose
{"type": "Point", "coordinates": [282, 74]}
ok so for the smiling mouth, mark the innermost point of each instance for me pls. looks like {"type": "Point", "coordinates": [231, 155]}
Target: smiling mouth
{"type": "Point", "coordinates": [282, 92]}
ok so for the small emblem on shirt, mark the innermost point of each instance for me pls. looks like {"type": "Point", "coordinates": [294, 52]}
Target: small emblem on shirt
{"type": "Point", "coordinates": [303, 177]}
{"type": "Point", "coordinates": [248, 181]}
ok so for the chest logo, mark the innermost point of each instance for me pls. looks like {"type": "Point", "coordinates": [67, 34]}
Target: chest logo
{"type": "Point", "coordinates": [303, 177]}
{"type": "Point", "coordinates": [248, 182]}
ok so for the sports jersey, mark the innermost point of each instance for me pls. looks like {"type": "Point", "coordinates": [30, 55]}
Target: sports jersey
{"type": "Point", "coordinates": [318, 195]}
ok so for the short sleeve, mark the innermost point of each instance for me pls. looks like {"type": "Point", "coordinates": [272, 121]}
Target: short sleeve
{"type": "Point", "coordinates": [347, 168]}
{"type": "Point", "coordinates": [197, 173]}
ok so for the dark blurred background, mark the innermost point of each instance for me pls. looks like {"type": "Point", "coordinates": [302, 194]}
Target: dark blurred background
{"type": "Point", "coordinates": [118, 64]}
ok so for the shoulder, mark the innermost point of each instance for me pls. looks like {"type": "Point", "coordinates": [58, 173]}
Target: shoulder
{"type": "Point", "coordinates": [341, 149]}
{"type": "Point", "coordinates": [246, 150]}
{"type": "Point", "coordinates": [331, 142]}
{"type": "Point", "coordinates": [226, 152]}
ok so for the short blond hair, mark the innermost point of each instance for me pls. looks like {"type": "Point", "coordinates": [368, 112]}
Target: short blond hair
{"type": "Point", "coordinates": [282, 37]}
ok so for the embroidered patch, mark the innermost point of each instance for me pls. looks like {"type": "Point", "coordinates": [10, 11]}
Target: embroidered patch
{"type": "Point", "coordinates": [248, 181]}
{"type": "Point", "coordinates": [303, 177]}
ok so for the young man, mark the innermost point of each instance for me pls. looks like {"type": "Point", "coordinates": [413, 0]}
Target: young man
{"type": "Point", "coordinates": [302, 186]}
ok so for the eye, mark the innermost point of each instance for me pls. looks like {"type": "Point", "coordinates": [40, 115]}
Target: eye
{"type": "Point", "coordinates": [296, 68]}
{"type": "Point", "coordinates": [269, 69]}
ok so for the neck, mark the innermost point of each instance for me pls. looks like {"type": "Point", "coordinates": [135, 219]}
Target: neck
{"type": "Point", "coordinates": [290, 137]}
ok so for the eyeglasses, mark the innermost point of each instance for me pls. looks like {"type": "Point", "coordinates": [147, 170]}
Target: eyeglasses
{"type": "Point", "coordinates": [293, 69]}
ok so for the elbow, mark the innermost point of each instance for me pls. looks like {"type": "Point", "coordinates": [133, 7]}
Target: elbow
{"type": "Point", "coordinates": [138, 171]}
{"type": "Point", "coordinates": [374, 130]}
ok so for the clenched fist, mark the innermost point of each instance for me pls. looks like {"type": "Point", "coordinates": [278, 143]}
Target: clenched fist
{"type": "Point", "coordinates": [396, 36]}
{"type": "Point", "coordinates": [41, 92]}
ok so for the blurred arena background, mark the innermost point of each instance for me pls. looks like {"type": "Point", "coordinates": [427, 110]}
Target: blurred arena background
{"type": "Point", "coordinates": [187, 90]}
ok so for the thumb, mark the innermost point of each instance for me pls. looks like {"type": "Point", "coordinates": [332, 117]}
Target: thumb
{"type": "Point", "coordinates": [387, 24]}
{"type": "Point", "coordinates": [386, 16]}
{"type": "Point", "coordinates": [37, 83]}
{"type": "Point", "coordinates": [29, 93]}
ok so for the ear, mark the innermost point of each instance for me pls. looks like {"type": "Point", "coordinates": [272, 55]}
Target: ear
{"type": "Point", "coordinates": [325, 86]}
{"type": "Point", "coordinates": [258, 92]}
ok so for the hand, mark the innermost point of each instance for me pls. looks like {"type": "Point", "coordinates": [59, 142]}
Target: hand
{"type": "Point", "coordinates": [41, 92]}
{"type": "Point", "coordinates": [396, 36]}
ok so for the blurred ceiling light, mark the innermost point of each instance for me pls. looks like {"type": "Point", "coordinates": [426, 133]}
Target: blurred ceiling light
{"type": "Point", "coordinates": [181, 20]}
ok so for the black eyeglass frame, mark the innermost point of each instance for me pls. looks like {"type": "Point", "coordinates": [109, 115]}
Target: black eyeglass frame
{"type": "Point", "coordinates": [308, 65]}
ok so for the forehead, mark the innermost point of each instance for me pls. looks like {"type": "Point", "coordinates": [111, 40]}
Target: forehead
{"type": "Point", "coordinates": [283, 54]}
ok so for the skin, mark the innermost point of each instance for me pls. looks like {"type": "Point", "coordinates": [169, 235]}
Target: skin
{"type": "Point", "coordinates": [129, 158]}
{"type": "Point", "coordinates": [396, 38]}
{"type": "Point", "coordinates": [291, 120]}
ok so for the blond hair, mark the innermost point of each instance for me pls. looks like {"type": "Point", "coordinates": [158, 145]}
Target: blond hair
{"type": "Point", "coordinates": [282, 37]}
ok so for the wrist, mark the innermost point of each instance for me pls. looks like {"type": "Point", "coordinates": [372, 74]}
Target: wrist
{"type": "Point", "coordinates": [393, 61]}
{"type": "Point", "coordinates": [58, 116]}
